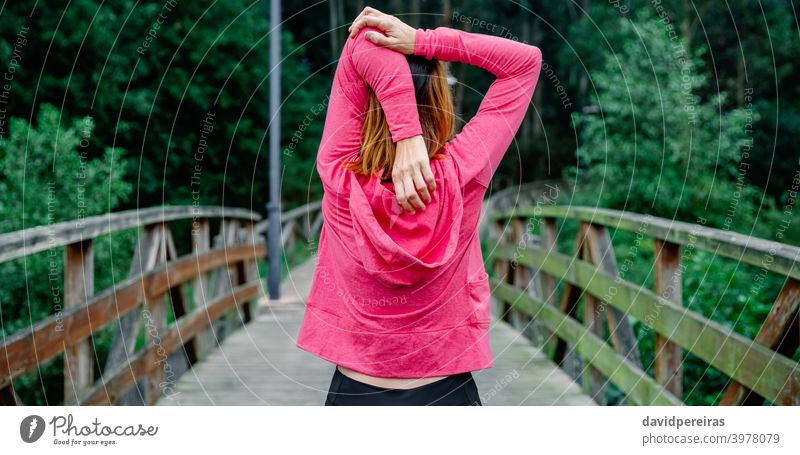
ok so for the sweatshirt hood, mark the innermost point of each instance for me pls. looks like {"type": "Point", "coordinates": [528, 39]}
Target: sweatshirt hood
{"type": "Point", "coordinates": [395, 247]}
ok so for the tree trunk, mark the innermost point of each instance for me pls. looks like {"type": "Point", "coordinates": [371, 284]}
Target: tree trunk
{"type": "Point", "coordinates": [527, 123]}
{"type": "Point", "coordinates": [447, 13]}
{"type": "Point", "coordinates": [334, 22]}
{"type": "Point", "coordinates": [413, 17]}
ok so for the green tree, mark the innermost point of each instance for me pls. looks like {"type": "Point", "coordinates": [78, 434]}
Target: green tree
{"type": "Point", "coordinates": [655, 146]}
{"type": "Point", "coordinates": [149, 73]}
{"type": "Point", "coordinates": [46, 177]}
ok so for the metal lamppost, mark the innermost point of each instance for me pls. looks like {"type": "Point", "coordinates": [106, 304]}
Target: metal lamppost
{"type": "Point", "coordinates": [274, 205]}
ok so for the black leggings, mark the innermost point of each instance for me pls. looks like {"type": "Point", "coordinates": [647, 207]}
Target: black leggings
{"type": "Point", "coordinates": [454, 390]}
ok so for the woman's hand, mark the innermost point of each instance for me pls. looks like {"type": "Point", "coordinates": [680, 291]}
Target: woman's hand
{"type": "Point", "coordinates": [411, 174]}
{"type": "Point", "coordinates": [398, 36]}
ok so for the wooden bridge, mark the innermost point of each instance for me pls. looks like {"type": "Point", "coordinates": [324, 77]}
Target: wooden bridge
{"type": "Point", "coordinates": [196, 328]}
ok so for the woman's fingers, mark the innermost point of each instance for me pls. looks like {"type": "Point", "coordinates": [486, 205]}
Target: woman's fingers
{"type": "Point", "coordinates": [400, 194]}
{"type": "Point", "coordinates": [365, 12]}
{"type": "Point", "coordinates": [421, 186]}
{"type": "Point", "coordinates": [427, 175]}
{"type": "Point", "coordinates": [379, 39]}
{"type": "Point", "coordinates": [411, 193]}
{"type": "Point", "coordinates": [382, 22]}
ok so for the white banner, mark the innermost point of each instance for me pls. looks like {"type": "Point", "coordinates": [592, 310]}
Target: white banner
{"type": "Point", "coordinates": [230, 430]}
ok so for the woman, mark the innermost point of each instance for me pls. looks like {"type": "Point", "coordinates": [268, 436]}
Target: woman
{"type": "Point", "coordinates": [400, 298]}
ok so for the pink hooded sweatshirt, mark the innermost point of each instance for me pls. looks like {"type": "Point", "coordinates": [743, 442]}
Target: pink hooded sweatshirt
{"type": "Point", "coordinates": [398, 295]}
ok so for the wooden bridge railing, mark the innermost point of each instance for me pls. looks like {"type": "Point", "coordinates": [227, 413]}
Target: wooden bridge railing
{"type": "Point", "coordinates": [528, 269]}
{"type": "Point", "coordinates": [224, 279]}
{"type": "Point", "coordinates": [304, 221]}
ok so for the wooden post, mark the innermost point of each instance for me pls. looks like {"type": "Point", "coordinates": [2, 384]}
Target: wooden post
{"type": "Point", "coordinates": [593, 382]}
{"type": "Point", "coordinates": [201, 242]}
{"type": "Point", "coordinates": [123, 343]}
{"type": "Point", "coordinates": [316, 225]}
{"type": "Point", "coordinates": [155, 326]}
{"type": "Point", "coordinates": [781, 332]}
{"type": "Point", "coordinates": [502, 270]}
{"type": "Point", "coordinates": [180, 304]}
{"type": "Point", "coordinates": [548, 281]}
{"type": "Point", "coordinates": [522, 277]}
{"type": "Point", "coordinates": [250, 272]}
{"type": "Point", "coordinates": [570, 298]}
{"type": "Point", "coordinates": [218, 284]}
{"type": "Point", "coordinates": [288, 238]}
{"type": "Point", "coordinates": [668, 283]}
{"type": "Point", "coordinates": [225, 277]}
{"type": "Point", "coordinates": [306, 226]}
{"type": "Point", "coordinates": [600, 252]}
{"type": "Point", "coordinates": [78, 287]}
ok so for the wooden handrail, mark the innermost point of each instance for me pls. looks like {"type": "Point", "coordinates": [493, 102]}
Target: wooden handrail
{"type": "Point", "coordinates": [157, 276]}
{"type": "Point", "coordinates": [116, 382]}
{"type": "Point", "coordinates": [17, 244]}
{"type": "Point", "coordinates": [27, 348]}
{"type": "Point", "coordinates": [751, 250]}
{"type": "Point", "coordinates": [290, 224]}
{"type": "Point", "coordinates": [528, 266]}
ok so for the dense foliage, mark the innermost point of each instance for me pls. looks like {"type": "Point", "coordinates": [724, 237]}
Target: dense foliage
{"type": "Point", "coordinates": [152, 76]}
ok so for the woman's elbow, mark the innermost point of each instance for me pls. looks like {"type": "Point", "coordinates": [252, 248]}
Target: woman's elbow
{"type": "Point", "coordinates": [533, 64]}
{"type": "Point", "coordinates": [535, 59]}
{"type": "Point", "coordinates": [527, 62]}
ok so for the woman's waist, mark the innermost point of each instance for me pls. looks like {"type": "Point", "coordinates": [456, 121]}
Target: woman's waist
{"type": "Point", "coordinates": [388, 383]}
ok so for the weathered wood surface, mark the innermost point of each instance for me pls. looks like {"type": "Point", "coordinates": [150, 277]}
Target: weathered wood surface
{"type": "Point", "coordinates": [305, 221]}
{"type": "Point", "coordinates": [639, 387]}
{"type": "Point", "coordinates": [260, 365]}
{"type": "Point", "coordinates": [780, 331]}
{"type": "Point", "coordinates": [154, 285]}
{"type": "Point", "coordinates": [780, 258]}
{"type": "Point", "coordinates": [25, 349]}
{"type": "Point", "coordinates": [78, 287]}
{"type": "Point", "coordinates": [669, 285]}
{"type": "Point", "coordinates": [17, 244]}
{"type": "Point", "coordinates": [150, 360]}
{"type": "Point", "coordinates": [773, 376]}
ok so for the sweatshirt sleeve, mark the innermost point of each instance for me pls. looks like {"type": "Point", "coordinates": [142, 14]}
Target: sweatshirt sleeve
{"type": "Point", "coordinates": [364, 65]}
{"type": "Point", "coordinates": [483, 141]}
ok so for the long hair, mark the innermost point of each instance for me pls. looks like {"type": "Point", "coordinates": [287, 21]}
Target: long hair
{"type": "Point", "coordinates": [436, 116]}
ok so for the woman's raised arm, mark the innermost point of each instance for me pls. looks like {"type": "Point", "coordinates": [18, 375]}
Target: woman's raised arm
{"type": "Point", "coordinates": [483, 141]}
{"type": "Point", "coordinates": [362, 65]}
